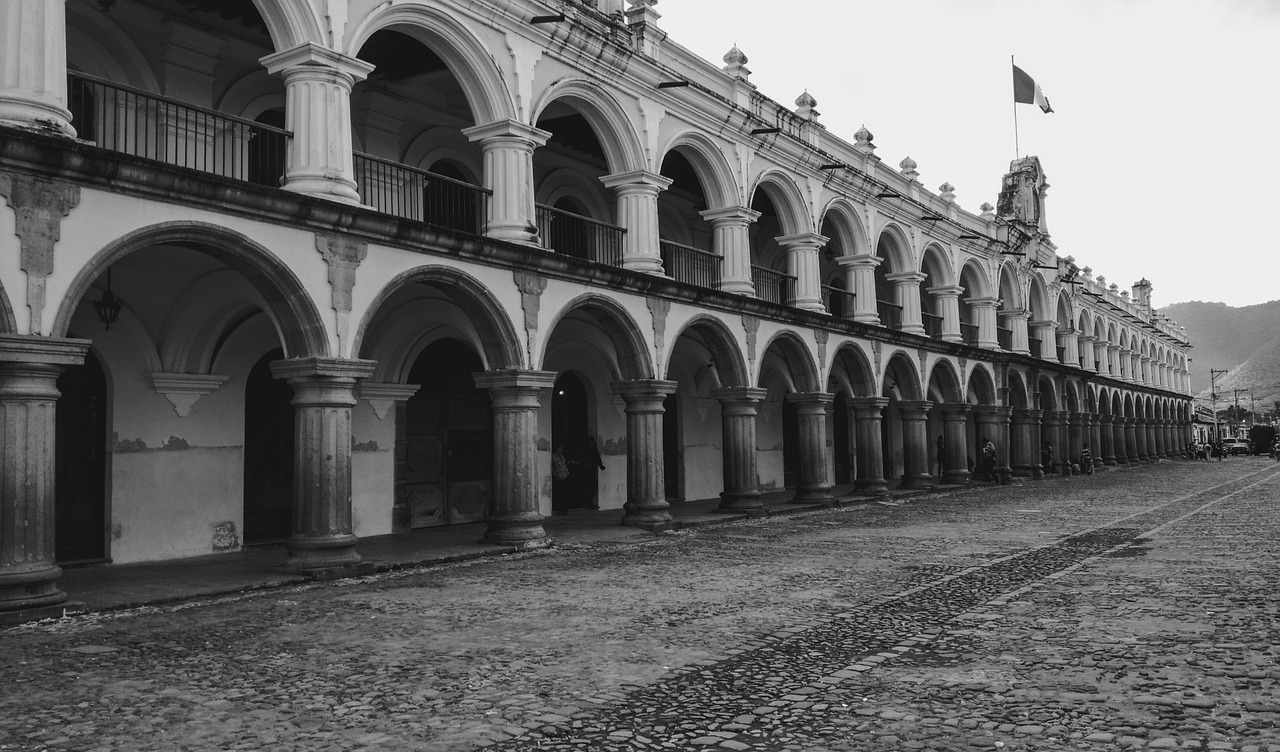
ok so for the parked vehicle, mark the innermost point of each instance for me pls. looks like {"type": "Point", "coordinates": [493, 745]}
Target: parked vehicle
{"type": "Point", "coordinates": [1235, 446]}
{"type": "Point", "coordinates": [1262, 438]}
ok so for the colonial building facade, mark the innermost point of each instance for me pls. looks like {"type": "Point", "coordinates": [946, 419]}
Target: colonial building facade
{"type": "Point", "coordinates": [311, 270]}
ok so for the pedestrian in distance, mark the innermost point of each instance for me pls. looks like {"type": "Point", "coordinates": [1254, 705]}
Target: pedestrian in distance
{"type": "Point", "coordinates": [1046, 458]}
{"type": "Point", "coordinates": [1086, 460]}
{"type": "Point", "coordinates": [942, 448]}
{"type": "Point", "coordinates": [988, 467]}
{"type": "Point", "coordinates": [587, 465]}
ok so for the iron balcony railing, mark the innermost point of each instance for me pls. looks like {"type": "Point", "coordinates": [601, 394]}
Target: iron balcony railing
{"type": "Point", "coordinates": [693, 265]}
{"type": "Point", "coordinates": [775, 287]}
{"type": "Point", "coordinates": [410, 193]}
{"type": "Point", "coordinates": [969, 333]}
{"type": "Point", "coordinates": [1004, 337]}
{"type": "Point", "coordinates": [890, 314]}
{"type": "Point", "coordinates": [932, 324]}
{"type": "Point", "coordinates": [839, 302]}
{"type": "Point", "coordinates": [580, 237]}
{"type": "Point", "coordinates": [1033, 344]}
{"type": "Point", "coordinates": [141, 124]}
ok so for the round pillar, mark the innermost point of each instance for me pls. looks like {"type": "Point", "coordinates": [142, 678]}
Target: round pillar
{"type": "Point", "coordinates": [33, 68]}
{"type": "Point", "coordinates": [915, 440]}
{"type": "Point", "coordinates": [815, 461]}
{"type": "Point", "coordinates": [637, 193]}
{"type": "Point", "coordinates": [738, 407]}
{"type": "Point", "coordinates": [868, 412]}
{"type": "Point", "coordinates": [515, 516]}
{"type": "Point", "coordinates": [507, 146]}
{"type": "Point", "coordinates": [29, 370]}
{"type": "Point", "coordinates": [647, 504]}
{"type": "Point", "coordinates": [955, 462]}
{"type": "Point", "coordinates": [323, 395]}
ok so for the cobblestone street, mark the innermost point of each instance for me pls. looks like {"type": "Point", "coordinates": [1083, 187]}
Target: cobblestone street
{"type": "Point", "coordinates": [1132, 609]}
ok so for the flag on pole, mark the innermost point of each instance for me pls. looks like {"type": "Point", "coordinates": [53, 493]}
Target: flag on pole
{"type": "Point", "coordinates": [1027, 91]}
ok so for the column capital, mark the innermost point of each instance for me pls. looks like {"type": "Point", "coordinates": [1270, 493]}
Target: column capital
{"type": "Point", "coordinates": [945, 291]}
{"type": "Point", "coordinates": [637, 391]}
{"type": "Point", "coordinates": [514, 380]}
{"type": "Point", "coordinates": [906, 278]}
{"type": "Point", "coordinates": [739, 394]}
{"type": "Point", "coordinates": [992, 412]}
{"type": "Point", "coordinates": [1014, 313]}
{"type": "Point", "coordinates": [915, 409]}
{"type": "Point", "coordinates": [508, 132]}
{"type": "Point", "coordinates": [1043, 324]}
{"type": "Point", "coordinates": [803, 240]}
{"type": "Point", "coordinates": [18, 348]}
{"type": "Point", "coordinates": [987, 302]}
{"type": "Point", "coordinates": [637, 181]}
{"type": "Point", "coordinates": [314, 367]}
{"type": "Point", "coordinates": [955, 411]}
{"type": "Point", "coordinates": [860, 261]}
{"type": "Point", "coordinates": [730, 215]}
{"type": "Point", "coordinates": [312, 57]}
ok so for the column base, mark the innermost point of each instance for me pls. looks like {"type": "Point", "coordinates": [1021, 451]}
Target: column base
{"type": "Point", "coordinates": [523, 530]}
{"type": "Point", "coordinates": [814, 495]}
{"type": "Point", "coordinates": [915, 482]}
{"type": "Point", "coordinates": [341, 191]}
{"type": "Point", "coordinates": [955, 477]}
{"type": "Point", "coordinates": [644, 264]}
{"type": "Point", "coordinates": [1004, 475]}
{"type": "Point", "coordinates": [323, 556]}
{"type": "Point", "coordinates": [1021, 471]}
{"type": "Point", "coordinates": [653, 519]}
{"type": "Point", "coordinates": [30, 589]}
{"type": "Point", "coordinates": [871, 486]}
{"type": "Point", "coordinates": [739, 503]}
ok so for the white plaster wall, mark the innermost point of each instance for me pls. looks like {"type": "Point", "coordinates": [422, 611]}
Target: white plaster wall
{"type": "Point", "coordinates": [769, 446]}
{"type": "Point", "coordinates": [372, 469]}
{"type": "Point", "coordinates": [702, 453]}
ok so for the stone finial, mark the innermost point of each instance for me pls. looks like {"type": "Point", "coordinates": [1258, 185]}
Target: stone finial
{"type": "Point", "coordinates": [988, 211]}
{"type": "Point", "coordinates": [1087, 272]}
{"type": "Point", "coordinates": [736, 63]}
{"type": "Point", "coordinates": [947, 192]}
{"type": "Point", "coordinates": [908, 166]}
{"type": "Point", "coordinates": [805, 104]}
{"type": "Point", "coordinates": [862, 140]}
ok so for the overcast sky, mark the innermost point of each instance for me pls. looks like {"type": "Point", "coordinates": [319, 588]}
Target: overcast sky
{"type": "Point", "coordinates": [1161, 151]}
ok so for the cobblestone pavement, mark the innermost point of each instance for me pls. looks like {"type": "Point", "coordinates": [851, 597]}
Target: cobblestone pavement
{"type": "Point", "coordinates": [1134, 609]}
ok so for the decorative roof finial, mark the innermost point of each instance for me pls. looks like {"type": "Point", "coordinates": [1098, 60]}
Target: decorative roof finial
{"type": "Point", "coordinates": [947, 192]}
{"type": "Point", "coordinates": [908, 166]}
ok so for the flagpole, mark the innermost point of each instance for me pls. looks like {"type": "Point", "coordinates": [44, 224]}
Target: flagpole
{"type": "Point", "coordinates": [1017, 152]}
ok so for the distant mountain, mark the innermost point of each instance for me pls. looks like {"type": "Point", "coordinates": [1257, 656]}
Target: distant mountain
{"type": "Point", "coordinates": [1243, 341]}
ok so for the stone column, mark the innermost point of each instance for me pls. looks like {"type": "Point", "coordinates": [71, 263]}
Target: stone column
{"type": "Point", "coordinates": [868, 412]}
{"type": "Point", "coordinates": [955, 463]}
{"type": "Point", "coordinates": [1025, 427]}
{"type": "Point", "coordinates": [1140, 439]}
{"type": "Point", "coordinates": [318, 81]}
{"type": "Point", "coordinates": [985, 314]}
{"type": "Point", "coordinates": [738, 406]}
{"type": "Point", "coordinates": [1131, 440]}
{"type": "Point", "coordinates": [815, 460]}
{"type": "Point", "coordinates": [323, 395]}
{"type": "Point", "coordinates": [948, 298]}
{"type": "Point", "coordinates": [1144, 370]}
{"type": "Point", "coordinates": [731, 241]}
{"type": "Point", "coordinates": [863, 267]}
{"type": "Point", "coordinates": [637, 193]}
{"type": "Point", "coordinates": [515, 513]}
{"type": "Point", "coordinates": [1160, 437]}
{"type": "Point", "coordinates": [647, 505]}
{"type": "Point", "coordinates": [907, 285]}
{"type": "Point", "coordinates": [1070, 347]}
{"type": "Point", "coordinates": [802, 263]}
{"type": "Point", "coordinates": [33, 67]}
{"type": "Point", "coordinates": [1051, 431]}
{"type": "Point", "coordinates": [1084, 346]}
{"type": "Point", "coordinates": [29, 370]}
{"type": "Point", "coordinates": [1119, 448]}
{"type": "Point", "coordinates": [994, 423]}
{"type": "Point", "coordinates": [1077, 435]}
{"type": "Point", "coordinates": [1113, 360]}
{"type": "Point", "coordinates": [1045, 331]}
{"type": "Point", "coordinates": [915, 441]}
{"type": "Point", "coordinates": [508, 171]}
{"type": "Point", "coordinates": [1094, 431]}
{"type": "Point", "coordinates": [1107, 430]}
